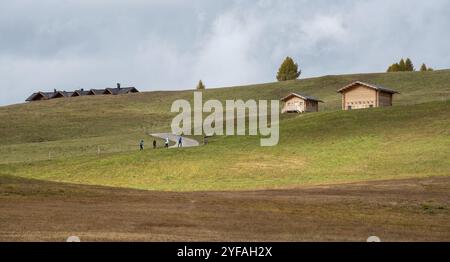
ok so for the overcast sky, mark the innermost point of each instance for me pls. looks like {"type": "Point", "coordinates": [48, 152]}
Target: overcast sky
{"type": "Point", "coordinates": [171, 44]}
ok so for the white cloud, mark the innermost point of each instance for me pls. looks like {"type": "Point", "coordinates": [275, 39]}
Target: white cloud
{"type": "Point", "coordinates": [325, 28]}
{"type": "Point", "coordinates": [226, 56]}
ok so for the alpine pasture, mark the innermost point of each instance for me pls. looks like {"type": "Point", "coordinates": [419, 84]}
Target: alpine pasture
{"type": "Point", "coordinates": [335, 175]}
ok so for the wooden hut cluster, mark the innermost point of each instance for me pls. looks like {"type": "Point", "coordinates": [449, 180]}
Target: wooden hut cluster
{"type": "Point", "coordinates": [38, 96]}
{"type": "Point", "coordinates": [357, 95]}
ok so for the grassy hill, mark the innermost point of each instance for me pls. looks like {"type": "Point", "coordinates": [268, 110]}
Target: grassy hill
{"type": "Point", "coordinates": [410, 139]}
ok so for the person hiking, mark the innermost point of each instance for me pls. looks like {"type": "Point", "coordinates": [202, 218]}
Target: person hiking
{"type": "Point", "coordinates": [167, 142]}
{"type": "Point", "coordinates": [141, 145]}
{"type": "Point", "coordinates": [180, 141]}
{"type": "Point", "coordinates": [154, 143]}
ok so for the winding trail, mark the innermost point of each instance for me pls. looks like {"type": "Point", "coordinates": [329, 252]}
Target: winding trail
{"type": "Point", "coordinates": [187, 142]}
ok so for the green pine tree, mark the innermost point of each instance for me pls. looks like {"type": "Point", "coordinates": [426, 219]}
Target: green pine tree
{"type": "Point", "coordinates": [288, 70]}
{"type": "Point", "coordinates": [200, 85]}
{"type": "Point", "coordinates": [409, 66]}
{"type": "Point", "coordinates": [402, 65]}
{"type": "Point", "coordinates": [423, 68]}
{"type": "Point", "coordinates": [393, 68]}
{"type": "Point", "coordinates": [396, 67]}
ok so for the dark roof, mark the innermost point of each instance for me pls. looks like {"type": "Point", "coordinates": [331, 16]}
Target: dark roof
{"type": "Point", "coordinates": [80, 92]}
{"type": "Point", "coordinates": [46, 95]}
{"type": "Point", "coordinates": [305, 97]}
{"type": "Point", "coordinates": [32, 96]}
{"type": "Point", "coordinates": [55, 94]}
{"type": "Point", "coordinates": [122, 90]}
{"type": "Point", "coordinates": [376, 87]}
{"type": "Point", "coordinates": [62, 93]}
{"type": "Point", "coordinates": [97, 91]}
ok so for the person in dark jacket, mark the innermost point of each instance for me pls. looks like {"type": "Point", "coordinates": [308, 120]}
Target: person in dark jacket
{"type": "Point", "coordinates": [141, 145]}
{"type": "Point", "coordinates": [154, 143]}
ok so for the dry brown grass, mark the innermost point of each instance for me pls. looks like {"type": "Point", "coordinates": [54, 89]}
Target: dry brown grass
{"type": "Point", "coordinates": [400, 210]}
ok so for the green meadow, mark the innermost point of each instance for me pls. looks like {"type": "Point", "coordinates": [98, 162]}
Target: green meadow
{"type": "Point", "coordinates": [94, 140]}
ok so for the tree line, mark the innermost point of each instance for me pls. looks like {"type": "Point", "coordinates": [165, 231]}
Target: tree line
{"type": "Point", "coordinates": [406, 66]}
{"type": "Point", "coordinates": [289, 70]}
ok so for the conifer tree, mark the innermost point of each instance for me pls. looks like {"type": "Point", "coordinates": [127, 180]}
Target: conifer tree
{"type": "Point", "coordinates": [395, 67]}
{"type": "Point", "coordinates": [409, 66]}
{"type": "Point", "coordinates": [200, 85]}
{"type": "Point", "coordinates": [402, 65]}
{"type": "Point", "coordinates": [288, 70]}
{"type": "Point", "coordinates": [423, 68]}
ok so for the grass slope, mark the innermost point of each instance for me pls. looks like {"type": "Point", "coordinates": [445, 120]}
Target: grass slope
{"type": "Point", "coordinates": [122, 116]}
{"type": "Point", "coordinates": [407, 140]}
{"type": "Point", "coordinates": [322, 148]}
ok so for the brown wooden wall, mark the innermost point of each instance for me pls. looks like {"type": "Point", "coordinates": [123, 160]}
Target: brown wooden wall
{"type": "Point", "coordinates": [302, 105]}
{"type": "Point", "coordinates": [359, 97]}
{"type": "Point", "coordinates": [384, 99]}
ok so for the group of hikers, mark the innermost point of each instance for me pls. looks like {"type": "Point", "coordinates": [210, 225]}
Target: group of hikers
{"type": "Point", "coordinates": [166, 143]}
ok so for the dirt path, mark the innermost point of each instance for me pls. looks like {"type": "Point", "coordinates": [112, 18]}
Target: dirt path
{"type": "Point", "coordinates": [397, 210]}
{"type": "Point", "coordinates": [187, 142]}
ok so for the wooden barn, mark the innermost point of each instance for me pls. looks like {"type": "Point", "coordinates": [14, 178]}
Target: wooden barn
{"type": "Point", "coordinates": [358, 95]}
{"type": "Point", "coordinates": [38, 96]}
{"type": "Point", "coordinates": [297, 103]}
